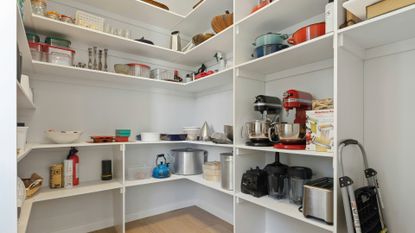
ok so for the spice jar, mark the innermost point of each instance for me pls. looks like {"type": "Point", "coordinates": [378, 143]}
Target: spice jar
{"type": "Point", "coordinates": [53, 15]}
{"type": "Point", "coordinates": [39, 7]}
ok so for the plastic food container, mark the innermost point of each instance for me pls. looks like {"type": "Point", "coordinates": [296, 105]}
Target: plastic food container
{"type": "Point", "coordinates": [122, 132]}
{"type": "Point", "coordinates": [58, 42]}
{"type": "Point", "coordinates": [32, 37]}
{"type": "Point", "coordinates": [139, 70]}
{"type": "Point", "coordinates": [37, 51]}
{"type": "Point", "coordinates": [121, 139]}
{"type": "Point", "coordinates": [139, 172]}
{"type": "Point", "coordinates": [59, 55]}
{"type": "Point", "coordinates": [39, 7]}
{"type": "Point", "coordinates": [162, 74]}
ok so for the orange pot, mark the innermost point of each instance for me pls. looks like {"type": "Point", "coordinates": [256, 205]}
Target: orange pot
{"type": "Point", "coordinates": [308, 33]}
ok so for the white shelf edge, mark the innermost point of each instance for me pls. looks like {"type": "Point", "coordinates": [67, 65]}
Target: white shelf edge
{"type": "Point", "coordinates": [299, 46]}
{"type": "Point", "coordinates": [24, 153]}
{"type": "Point", "coordinates": [285, 208]}
{"type": "Point", "coordinates": [293, 152]}
{"type": "Point", "coordinates": [25, 96]}
{"type": "Point", "coordinates": [163, 10]}
{"type": "Point", "coordinates": [24, 216]}
{"type": "Point", "coordinates": [46, 193]}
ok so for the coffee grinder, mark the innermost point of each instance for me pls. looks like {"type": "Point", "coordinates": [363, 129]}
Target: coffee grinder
{"type": "Point", "coordinates": [292, 136]}
{"type": "Point", "coordinates": [258, 131]}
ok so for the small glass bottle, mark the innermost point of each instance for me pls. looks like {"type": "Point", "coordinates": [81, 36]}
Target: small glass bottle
{"type": "Point", "coordinates": [90, 58]}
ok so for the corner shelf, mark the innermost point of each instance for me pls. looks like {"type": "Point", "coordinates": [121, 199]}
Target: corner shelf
{"type": "Point", "coordinates": [167, 19]}
{"type": "Point", "coordinates": [199, 54]}
{"type": "Point", "coordinates": [283, 207]}
{"type": "Point", "coordinates": [293, 152]}
{"type": "Point", "coordinates": [194, 178]}
{"type": "Point", "coordinates": [56, 72]}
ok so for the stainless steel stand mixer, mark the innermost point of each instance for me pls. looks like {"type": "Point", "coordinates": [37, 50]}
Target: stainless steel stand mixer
{"type": "Point", "coordinates": [259, 132]}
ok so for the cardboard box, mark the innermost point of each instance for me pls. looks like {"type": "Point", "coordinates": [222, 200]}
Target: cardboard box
{"type": "Point", "coordinates": [386, 6]}
{"type": "Point", "coordinates": [320, 130]}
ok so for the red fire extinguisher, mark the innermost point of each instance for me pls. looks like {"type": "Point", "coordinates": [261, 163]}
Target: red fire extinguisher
{"type": "Point", "coordinates": [75, 164]}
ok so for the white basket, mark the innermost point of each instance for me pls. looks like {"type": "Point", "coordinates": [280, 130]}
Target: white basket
{"type": "Point", "coordinates": [89, 20]}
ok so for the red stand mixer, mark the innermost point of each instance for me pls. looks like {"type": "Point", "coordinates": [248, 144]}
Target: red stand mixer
{"type": "Point", "coordinates": [292, 136]}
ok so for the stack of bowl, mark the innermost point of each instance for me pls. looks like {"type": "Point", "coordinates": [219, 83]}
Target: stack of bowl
{"type": "Point", "coordinates": [269, 43]}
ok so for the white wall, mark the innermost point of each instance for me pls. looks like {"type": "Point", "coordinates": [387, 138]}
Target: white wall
{"type": "Point", "coordinates": [8, 219]}
{"type": "Point", "coordinates": [388, 132]}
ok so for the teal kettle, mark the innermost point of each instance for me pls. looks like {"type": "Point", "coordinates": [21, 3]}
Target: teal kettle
{"type": "Point", "coordinates": [162, 169]}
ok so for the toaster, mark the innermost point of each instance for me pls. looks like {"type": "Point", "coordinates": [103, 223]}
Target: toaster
{"type": "Point", "coordinates": [318, 199]}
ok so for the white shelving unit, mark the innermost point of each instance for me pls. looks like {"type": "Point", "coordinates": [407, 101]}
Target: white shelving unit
{"type": "Point", "coordinates": [336, 65]}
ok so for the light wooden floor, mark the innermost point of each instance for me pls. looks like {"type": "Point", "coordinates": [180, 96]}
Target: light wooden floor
{"type": "Point", "coordinates": [187, 220]}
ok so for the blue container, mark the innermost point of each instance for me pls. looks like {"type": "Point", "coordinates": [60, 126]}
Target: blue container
{"type": "Point", "coordinates": [268, 49]}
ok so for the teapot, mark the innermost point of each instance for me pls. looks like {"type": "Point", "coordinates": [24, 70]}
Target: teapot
{"type": "Point", "coordinates": [162, 169]}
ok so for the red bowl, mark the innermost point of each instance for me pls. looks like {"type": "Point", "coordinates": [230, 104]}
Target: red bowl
{"type": "Point", "coordinates": [308, 33]}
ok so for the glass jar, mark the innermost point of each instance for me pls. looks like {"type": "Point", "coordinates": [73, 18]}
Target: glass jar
{"type": "Point", "coordinates": [39, 7]}
{"type": "Point", "coordinates": [298, 176]}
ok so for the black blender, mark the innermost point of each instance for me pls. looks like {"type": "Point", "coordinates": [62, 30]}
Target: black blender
{"type": "Point", "coordinates": [258, 131]}
{"type": "Point", "coordinates": [277, 178]}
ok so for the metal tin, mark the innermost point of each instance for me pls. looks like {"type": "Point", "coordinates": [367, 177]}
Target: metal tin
{"type": "Point", "coordinates": [226, 160]}
{"type": "Point", "coordinates": [189, 161]}
{"type": "Point", "coordinates": [56, 176]}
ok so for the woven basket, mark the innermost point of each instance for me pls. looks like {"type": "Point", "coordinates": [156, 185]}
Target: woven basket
{"type": "Point", "coordinates": [32, 184]}
{"type": "Point", "coordinates": [200, 38]}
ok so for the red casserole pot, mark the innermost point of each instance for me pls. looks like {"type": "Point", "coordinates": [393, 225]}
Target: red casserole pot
{"type": "Point", "coordinates": [308, 33]}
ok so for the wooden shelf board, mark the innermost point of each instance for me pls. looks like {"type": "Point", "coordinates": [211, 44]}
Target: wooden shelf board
{"type": "Point", "coordinates": [285, 208]}
{"type": "Point", "coordinates": [312, 51]}
{"type": "Point", "coordinates": [385, 29]}
{"type": "Point", "coordinates": [294, 152]}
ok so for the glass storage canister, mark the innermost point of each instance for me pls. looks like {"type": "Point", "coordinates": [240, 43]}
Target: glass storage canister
{"type": "Point", "coordinates": [39, 7]}
{"type": "Point", "coordinates": [298, 176]}
{"type": "Point", "coordinates": [59, 55]}
{"type": "Point", "coordinates": [37, 51]}
{"type": "Point", "coordinates": [139, 70]}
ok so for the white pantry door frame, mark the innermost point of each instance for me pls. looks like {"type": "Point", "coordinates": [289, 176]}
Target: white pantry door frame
{"type": "Point", "coordinates": [8, 210]}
